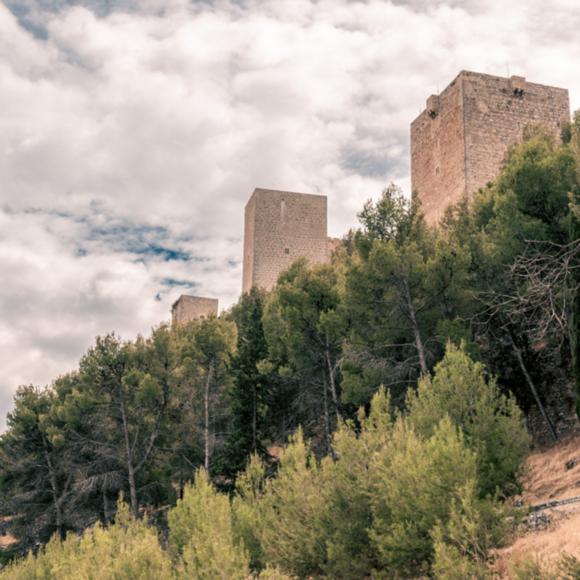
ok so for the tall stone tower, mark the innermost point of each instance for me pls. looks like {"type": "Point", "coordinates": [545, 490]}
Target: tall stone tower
{"type": "Point", "coordinates": [187, 308]}
{"type": "Point", "coordinates": [458, 143]}
{"type": "Point", "coordinates": [279, 228]}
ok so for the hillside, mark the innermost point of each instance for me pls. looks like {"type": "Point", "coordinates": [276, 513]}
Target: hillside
{"type": "Point", "coordinates": [551, 475]}
{"type": "Point", "coordinates": [405, 381]}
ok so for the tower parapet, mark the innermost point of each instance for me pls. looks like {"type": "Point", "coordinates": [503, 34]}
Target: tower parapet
{"type": "Point", "coordinates": [459, 142]}
{"type": "Point", "coordinates": [187, 308]}
{"type": "Point", "coordinates": [279, 228]}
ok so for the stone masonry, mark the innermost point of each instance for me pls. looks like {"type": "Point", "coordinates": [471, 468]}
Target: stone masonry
{"type": "Point", "coordinates": [279, 228]}
{"type": "Point", "coordinates": [459, 142]}
{"type": "Point", "coordinates": [188, 308]}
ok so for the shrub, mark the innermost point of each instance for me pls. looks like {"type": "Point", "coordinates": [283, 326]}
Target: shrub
{"type": "Point", "coordinates": [492, 423]}
{"type": "Point", "coordinates": [462, 544]}
{"type": "Point", "coordinates": [347, 489]}
{"type": "Point", "coordinates": [201, 532]}
{"type": "Point", "coordinates": [347, 516]}
{"type": "Point", "coordinates": [416, 481]}
{"type": "Point", "coordinates": [246, 510]}
{"type": "Point", "coordinates": [127, 550]}
{"type": "Point", "coordinates": [291, 532]}
{"type": "Point", "coordinates": [451, 564]}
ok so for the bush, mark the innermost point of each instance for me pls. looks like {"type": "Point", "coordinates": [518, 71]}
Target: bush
{"type": "Point", "coordinates": [491, 422]}
{"type": "Point", "coordinates": [127, 550]}
{"type": "Point", "coordinates": [290, 529]}
{"type": "Point", "coordinates": [347, 488]}
{"type": "Point", "coordinates": [416, 481]}
{"type": "Point", "coordinates": [462, 544]}
{"type": "Point", "coordinates": [201, 532]}
{"type": "Point", "coordinates": [246, 510]}
{"type": "Point", "coordinates": [398, 498]}
{"type": "Point", "coordinates": [451, 564]}
{"type": "Point", "coordinates": [273, 574]}
{"type": "Point", "coordinates": [347, 516]}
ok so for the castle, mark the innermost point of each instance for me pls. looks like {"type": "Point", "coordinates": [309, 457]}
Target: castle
{"type": "Point", "coordinates": [187, 308]}
{"type": "Point", "coordinates": [280, 227]}
{"type": "Point", "coordinates": [458, 145]}
{"type": "Point", "coordinates": [459, 142]}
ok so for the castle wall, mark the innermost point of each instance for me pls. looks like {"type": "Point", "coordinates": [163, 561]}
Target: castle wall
{"type": "Point", "coordinates": [458, 144]}
{"type": "Point", "coordinates": [249, 233]}
{"type": "Point", "coordinates": [281, 227]}
{"type": "Point", "coordinates": [496, 114]}
{"type": "Point", "coordinates": [188, 308]}
{"type": "Point", "coordinates": [438, 152]}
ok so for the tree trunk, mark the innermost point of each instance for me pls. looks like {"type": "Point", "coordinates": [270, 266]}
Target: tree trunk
{"type": "Point", "coordinates": [326, 417]}
{"type": "Point", "coordinates": [129, 459]}
{"type": "Point", "coordinates": [416, 331]}
{"type": "Point", "coordinates": [155, 432]}
{"type": "Point", "coordinates": [206, 421]}
{"type": "Point", "coordinates": [53, 485]}
{"type": "Point", "coordinates": [254, 418]}
{"type": "Point", "coordinates": [106, 509]}
{"type": "Point", "coordinates": [532, 387]}
{"type": "Point", "coordinates": [332, 383]}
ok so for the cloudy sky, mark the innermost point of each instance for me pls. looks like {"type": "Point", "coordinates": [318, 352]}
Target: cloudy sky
{"type": "Point", "coordinates": [132, 133]}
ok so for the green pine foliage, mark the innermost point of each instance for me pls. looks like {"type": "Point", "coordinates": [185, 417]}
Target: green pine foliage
{"type": "Point", "coordinates": [247, 509]}
{"type": "Point", "coordinates": [249, 396]}
{"type": "Point", "coordinates": [290, 530]}
{"type": "Point", "coordinates": [347, 515]}
{"type": "Point", "coordinates": [492, 423]}
{"type": "Point", "coordinates": [416, 481]}
{"type": "Point", "coordinates": [201, 533]}
{"type": "Point", "coordinates": [306, 327]}
{"type": "Point", "coordinates": [394, 500]}
{"type": "Point", "coordinates": [461, 545]}
{"type": "Point", "coordinates": [126, 550]}
{"type": "Point", "coordinates": [541, 174]}
{"type": "Point", "coordinates": [450, 564]}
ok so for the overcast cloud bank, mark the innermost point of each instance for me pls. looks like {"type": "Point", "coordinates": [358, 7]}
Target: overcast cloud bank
{"type": "Point", "coordinates": [132, 134]}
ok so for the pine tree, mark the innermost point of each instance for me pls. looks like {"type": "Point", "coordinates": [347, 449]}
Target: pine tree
{"type": "Point", "coordinates": [491, 422]}
{"type": "Point", "coordinates": [305, 321]}
{"type": "Point", "coordinates": [249, 393]}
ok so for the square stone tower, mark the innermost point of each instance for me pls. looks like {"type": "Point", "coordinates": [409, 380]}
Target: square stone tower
{"type": "Point", "coordinates": [459, 142]}
{"type": "Point", "coordinates": [187, 308]}
{"type": "Point", "coordinates": [279, 228]}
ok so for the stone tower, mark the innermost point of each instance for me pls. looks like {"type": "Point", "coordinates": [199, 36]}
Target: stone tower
{"type": "Point", "coordinates": [279, 228]}
{"type": "Point", "coordinates": [188, 308]}
{"type": "Point", "coordinates": [459, 142]}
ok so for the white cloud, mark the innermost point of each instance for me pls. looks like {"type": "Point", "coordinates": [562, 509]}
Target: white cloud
{"type": "Point", "coordinates": [130, 130]}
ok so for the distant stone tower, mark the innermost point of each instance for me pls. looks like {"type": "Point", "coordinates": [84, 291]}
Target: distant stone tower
{"type": "Point", "coordinates": [188, 308]}
{"type": "Point", "coordinates": [458, 143]}
{"type": "Point", "coordinates": [279, 228]}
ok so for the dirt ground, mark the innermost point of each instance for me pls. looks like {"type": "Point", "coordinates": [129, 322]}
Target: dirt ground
{"type": "Point", "coordinates": [550, 475]}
